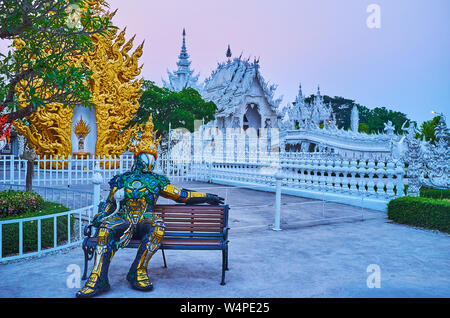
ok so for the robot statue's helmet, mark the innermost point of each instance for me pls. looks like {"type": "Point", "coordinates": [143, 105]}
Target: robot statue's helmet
{"type": "Point", "coordinates": [144, 162]}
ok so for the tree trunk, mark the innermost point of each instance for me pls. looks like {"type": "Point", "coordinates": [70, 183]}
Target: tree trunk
{"type": "Point", "coordinates": [30, 156]}
{"type": "Point", "coordinates": [29, 178]}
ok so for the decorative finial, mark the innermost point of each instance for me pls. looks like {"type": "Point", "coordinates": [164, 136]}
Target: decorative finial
{"type": "Point", "coordinates": [145, 141]}
{"type": "Point", "coordinates": [229, 52]}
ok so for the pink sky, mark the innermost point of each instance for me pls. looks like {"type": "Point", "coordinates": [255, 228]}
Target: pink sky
{"type": "Point", "coordinates": [404, 65]}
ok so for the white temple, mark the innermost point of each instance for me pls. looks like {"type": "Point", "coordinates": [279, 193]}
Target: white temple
{"type": "Point", "coordinates": [183, 77]}
{"type": "Point", "coordinates": [242, 96]}
{"type": "Point", "coordinates": [301, 113]}
{"type": "Point", "coordinates": [244, 99]}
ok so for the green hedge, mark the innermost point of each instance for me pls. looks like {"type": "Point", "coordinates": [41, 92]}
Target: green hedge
{"type": "Point", "coordinates": [10, 232]}
{"type": "Point", "coordinates": [435, 193]}
{"type": "Point", "coordinates": [427, 213]}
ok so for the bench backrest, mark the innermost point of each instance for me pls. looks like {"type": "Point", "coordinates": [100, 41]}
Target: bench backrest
{"type": "Point", "coordinates": [194, 218]}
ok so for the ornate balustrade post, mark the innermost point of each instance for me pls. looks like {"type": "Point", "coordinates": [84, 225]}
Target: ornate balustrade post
{"type": "Point", "coordinates": [400, 172]}
{"type": "Point", "coordinates": [345, 173]}
{"type": "Point", "coordinates": [390, 171]}
{"type": "Point", "coordinates": [330, 171]}
{"type": "Point", "coordinates": [370, 173]}
{"type": "Point", "coordinates": [380, 172]}
{"type": "Point", "coordinates": [353, 169]}
{"type": "Point", "coordinates": [97, 180]}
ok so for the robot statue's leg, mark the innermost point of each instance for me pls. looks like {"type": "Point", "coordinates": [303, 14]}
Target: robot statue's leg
{"type": "Point", "coordinates": [98, 280]}
{"type": "Point", "coordinates": [153, 232]}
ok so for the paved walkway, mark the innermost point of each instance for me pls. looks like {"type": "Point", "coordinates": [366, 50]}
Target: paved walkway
{"type": "Point", "coordinates": [324, 250]}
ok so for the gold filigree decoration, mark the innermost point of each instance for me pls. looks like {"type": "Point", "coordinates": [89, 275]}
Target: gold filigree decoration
{"type": "Point", "coordinates": [145, 140]}
{"type": "Point", "coordinates": [115, 90]}
{"type": "Point", "coordinates": [115, 96]}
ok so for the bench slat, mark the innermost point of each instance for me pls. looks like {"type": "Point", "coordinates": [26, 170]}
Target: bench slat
{"type": "Point", "coordinates": [216, 213]}
{"type": "Point", "coordinates": [188, 207]}
{"type": "Point", "coordinates": [169, 242]}
{"type": "Point", "coordinates": [193, 229]}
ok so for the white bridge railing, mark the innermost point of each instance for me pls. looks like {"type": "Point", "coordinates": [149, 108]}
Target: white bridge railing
{"type": "Point", "coordinates": [368, 184]}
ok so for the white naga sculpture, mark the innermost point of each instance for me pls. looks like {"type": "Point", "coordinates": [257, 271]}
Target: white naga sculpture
{"type": "Point", "coordinates": [428, 163]}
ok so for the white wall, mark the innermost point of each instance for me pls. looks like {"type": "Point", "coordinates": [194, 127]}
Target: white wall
{"type": "Point", "coordinates": [91, 139]}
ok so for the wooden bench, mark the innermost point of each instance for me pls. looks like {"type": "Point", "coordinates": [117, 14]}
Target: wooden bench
{"type": "Point", "coordinates": [188, 227]}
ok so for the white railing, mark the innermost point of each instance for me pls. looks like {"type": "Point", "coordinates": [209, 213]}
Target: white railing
{"type": "Point", "coordinates": [54, 170]}
{"type": "Point", "coordinates": [80, 215]}
{"type": "Point", "coordinates": [75, 220]}
{"type": "Point", "coordinates": [367, 184]}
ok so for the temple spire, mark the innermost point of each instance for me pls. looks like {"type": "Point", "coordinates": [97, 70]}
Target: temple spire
{"type": "Point", "coordinates": [229, 52]}
{"type": "Point", "coordinates": [300, 93]}
{"type": "Point", "coordinates": [183, 77]}
{"type": "Point", "coordinates": [183, 63]}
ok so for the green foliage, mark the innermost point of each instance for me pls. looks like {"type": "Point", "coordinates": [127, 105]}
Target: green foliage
{"type": "Point", "coordinates": [364, 128]}
{"type": "Point", "coordinates": [427, 129]}
{"type": "Point", "coordinates": [373, 119]}
{"type": "Point", "coordinates": [435, 193]}
{"type": "Point", "coordinates": [427, 213]}
{"type": "Point", "coordinates": [378, 116]}
{"type": "Point", "coordinates": [16, 203]}
{"type": "Point", "coordinates": [10, 232]}
{"type": "Point", "coordinates": [180, 109]}
{"type": "Point", "coordinates": [48, 41]}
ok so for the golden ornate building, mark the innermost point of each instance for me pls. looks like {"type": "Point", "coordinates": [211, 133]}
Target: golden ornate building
{"type": "Point", "coordinates": [115, 95]}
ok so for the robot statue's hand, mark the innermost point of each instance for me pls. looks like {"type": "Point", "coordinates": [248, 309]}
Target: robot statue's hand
{"type": "Point", "coordinates": [97, 220]}
{"type": "Point", "coordinates": [214, 199]}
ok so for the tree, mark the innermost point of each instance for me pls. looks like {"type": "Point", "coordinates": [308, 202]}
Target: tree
{"type": "Point", "coordinates": [381, 115]}
{"type": "Point", "coordinates": [46, 37]}
{"type": "Point", "coordinates": [428, 129]}
{"type": "Point", "coordinates": [180, 109]}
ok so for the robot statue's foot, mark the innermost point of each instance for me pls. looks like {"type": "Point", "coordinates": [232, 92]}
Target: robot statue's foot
{"type": "Point", "coordinates": [139, 280]}
{"type": "Point", "coordinates": [93, 287]}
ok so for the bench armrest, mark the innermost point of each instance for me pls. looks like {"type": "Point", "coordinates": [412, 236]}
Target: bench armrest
{"type": "Point", "coordinates": [88, 230]}
{"type": "Point", "coordinates": [225, 233]}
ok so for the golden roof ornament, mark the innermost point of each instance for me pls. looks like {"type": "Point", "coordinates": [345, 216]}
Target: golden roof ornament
{"type": "Point", "coordinates": [144, 140]}
{"type": "Point", "coordinates": [82, 128]}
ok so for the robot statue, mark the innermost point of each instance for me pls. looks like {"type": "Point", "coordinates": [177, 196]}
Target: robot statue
{"type": "Point", "coordinates": [128, 213]}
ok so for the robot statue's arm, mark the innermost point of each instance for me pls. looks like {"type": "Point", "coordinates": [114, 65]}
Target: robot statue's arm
{"type": "Point", "coordinates": [189, 196]}
{"type": "Point", "coordinates": [105, 208]}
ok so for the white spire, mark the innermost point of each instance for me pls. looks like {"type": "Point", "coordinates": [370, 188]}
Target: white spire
{"type": "Point", "coordinates": [182, 78]}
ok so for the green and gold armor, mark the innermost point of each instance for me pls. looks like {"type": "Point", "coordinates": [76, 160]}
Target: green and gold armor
{"type": "Point", "coordinates": [128, 213]}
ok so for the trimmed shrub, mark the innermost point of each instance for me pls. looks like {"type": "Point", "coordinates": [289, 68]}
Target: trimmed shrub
{"type": "Point", "coordinates": [16, 203]}
{"type": "Point", "coordinates": [435, 193]}
{"type": "Point", "coordinates": [427, 213]}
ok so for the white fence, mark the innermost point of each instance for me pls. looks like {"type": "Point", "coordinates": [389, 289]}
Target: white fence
{"type": "Point", "coordinates": [61, 170]}
{"type": "Point", "coordinates": [35, 228]}
{"type": "Point", "coordinates": [367, 184]}
{"type": "Point", "coordinates": [370, 184]}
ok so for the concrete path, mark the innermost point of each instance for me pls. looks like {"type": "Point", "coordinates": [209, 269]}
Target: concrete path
{"type": "Point", "coordinates": [324, 250]}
